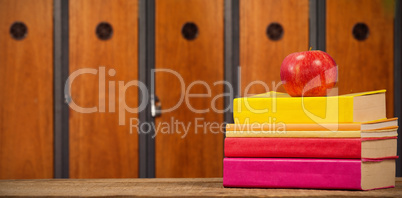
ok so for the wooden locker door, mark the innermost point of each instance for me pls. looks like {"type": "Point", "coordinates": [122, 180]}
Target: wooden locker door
{"type": "Point", "coordinates": [99, 146]}
{"type": "Point", "coordinates": [364, 65]}
{"type": "Point", "coordinates": [26, 88]}
{"type": "Point", "coordinates": [261, 57]}
{"type": "Point", "coordinates": [196, 154]}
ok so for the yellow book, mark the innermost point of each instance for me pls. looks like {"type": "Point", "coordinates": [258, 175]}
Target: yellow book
{"type": "Point", "coordinates": [275, 107]}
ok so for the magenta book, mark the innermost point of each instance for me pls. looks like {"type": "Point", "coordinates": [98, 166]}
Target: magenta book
{"type": "Point", "coordinates": [355, 174]}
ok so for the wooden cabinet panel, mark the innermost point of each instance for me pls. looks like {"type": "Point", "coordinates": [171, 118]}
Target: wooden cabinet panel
{"type": "Point", "coordinates": [260, 57]}
{"type": "Point", "coordinates": [199, 153]}
{"type": "Point", "coordinates": [26, 91]}
{"type": "Point", "coordinates": [99, 146]}
{"type": "Point", "coordinates": [364, 65]}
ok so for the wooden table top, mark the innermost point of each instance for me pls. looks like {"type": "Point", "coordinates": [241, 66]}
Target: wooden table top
{"type": "Point", "coordinates": [178, 187]}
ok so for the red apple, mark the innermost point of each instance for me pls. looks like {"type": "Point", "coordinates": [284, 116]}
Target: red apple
{"type": "Point", "coordinates": [309, 73]}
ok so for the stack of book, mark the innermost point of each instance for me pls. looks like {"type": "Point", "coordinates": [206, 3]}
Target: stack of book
{"type": "Point", "coordinates": [334, 142]}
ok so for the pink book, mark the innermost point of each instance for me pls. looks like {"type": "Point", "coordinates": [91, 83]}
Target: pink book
{"type": "Point", "coordinates": [353, 174]}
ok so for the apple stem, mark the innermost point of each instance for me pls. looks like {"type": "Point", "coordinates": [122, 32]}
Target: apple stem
{"type": "Point", "coordinates": [310, 48]}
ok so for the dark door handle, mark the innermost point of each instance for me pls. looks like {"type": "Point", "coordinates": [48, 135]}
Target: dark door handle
{"type": "Point", "coordinates": [156, 107]}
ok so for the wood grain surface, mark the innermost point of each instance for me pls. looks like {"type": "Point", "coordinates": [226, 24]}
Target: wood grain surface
{"type": "Point", "coordinates": [26, 91]}
{"type": "Point", "coordinates": [260, 57]}
{"type": "Point", "coordinates": [199, 153]}
{"type": "Point", "coordinates": [194, 187]}
{"type": "Point", "coordinates": [362, 65]}
{"type": "Point", "coordinates": [99, 146]}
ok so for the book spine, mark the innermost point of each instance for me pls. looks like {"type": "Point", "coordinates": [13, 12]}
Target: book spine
{"type": "Point", "coordinates": [295, 134]}
{"type": "Point", "coordinates": [294, 127]}
{"type": "Point", "coordinates": [293, 110]}
{"type": "Point", "coordinates": [294, 147]}
{"type": "Point", "coordinates": [292, 173]}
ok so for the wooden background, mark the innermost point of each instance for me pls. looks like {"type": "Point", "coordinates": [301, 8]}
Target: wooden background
{"type": "Point", "coordinates": [199, 154]}
{"type": "Point", "coordinates": [26, 91]}
{"type": "Point", "coordinates": [260, 57]}
{"type": "Point", "coordinates": [99, 146]}
{"type": "Point", "coordinates": [363, 65]}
